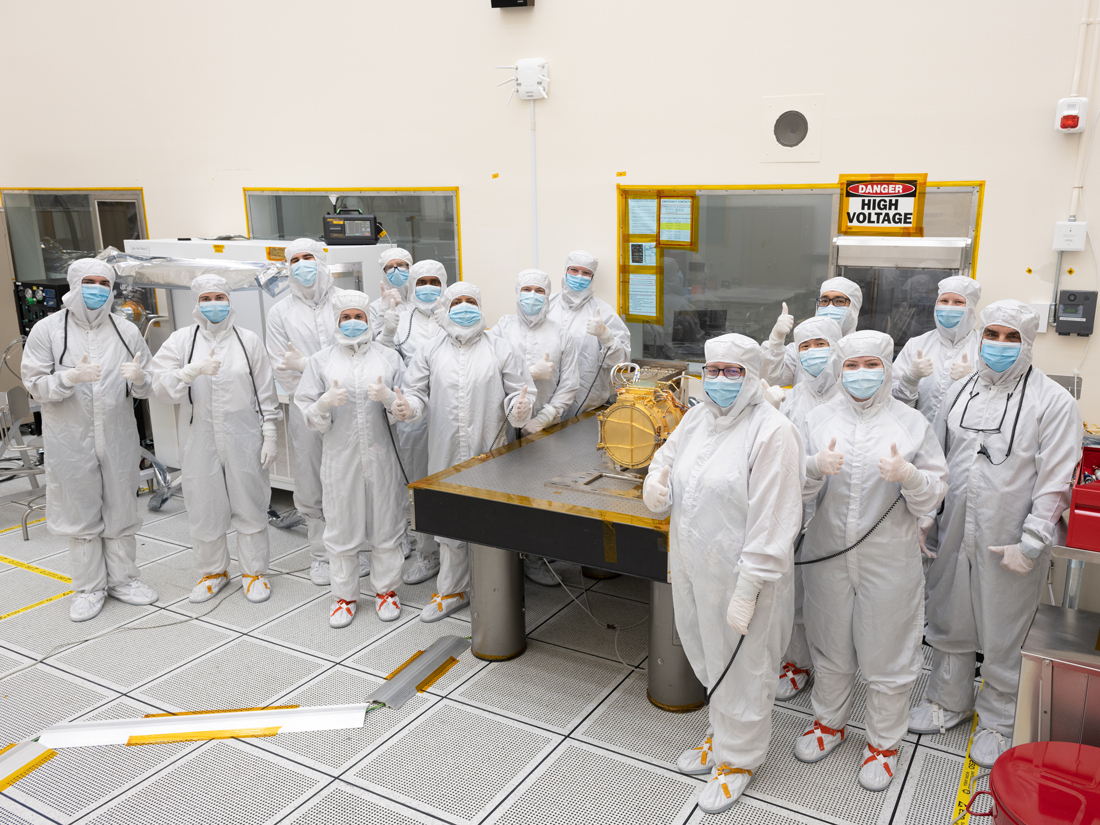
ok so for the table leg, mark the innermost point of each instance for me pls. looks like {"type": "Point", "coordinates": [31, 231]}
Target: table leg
{"type": "Point", "coordinates": [496, 609]}
{"type": "Point", "coordinates": [672, 683]}
{"type": "Point", "coordinates": [1075, 568]}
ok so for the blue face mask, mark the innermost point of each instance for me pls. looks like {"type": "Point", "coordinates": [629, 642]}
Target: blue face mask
{"type": "Point", "coordinates": [397, 276]}
{"type": "Point", "coordinates": [723, 391]}
{"type": "Point", "coordinates": [214, 311]}
{"type": "Point", "coordinates": [999, 357]}
{"type": "Point", "coordinates": [814, 360]}
{"type": "Point", "coordinates": [465, 315]}
{"type": "Point", "coordinates": [836, 313]}
{"type": "Point", "coordinates": [95, 295]}
{"type": "Point", "coordinates": [531, 302]}
{"type": "Point", "coordinates": [577, 283]}
{"type": "Point", "coordinates": [353, 327]}
{"type": "Point", "coordinates": [863, 383]}
{"type": "Point", "coordinates": [428, 293]}
{"type": "Point", "coordinates": [949, 317]}
{"type": "Point", "coordinates": [304, 272]}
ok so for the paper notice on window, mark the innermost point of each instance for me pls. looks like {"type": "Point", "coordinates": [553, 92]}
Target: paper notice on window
{"type": "Point", "coordinates": [643, 216]}
{"type": "Point", "coordinates": [643, 294]}
{"type": "Point", "coordinates": [643, 254]}
{"type": "Point", "coordinates": [676, 220]}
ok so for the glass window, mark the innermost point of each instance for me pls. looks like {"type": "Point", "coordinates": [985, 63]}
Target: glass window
{"type": "Point", "coordinates": [425, 222]}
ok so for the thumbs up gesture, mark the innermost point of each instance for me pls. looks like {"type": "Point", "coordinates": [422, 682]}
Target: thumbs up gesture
{"type": "Point", "coordinates": [334, 397]}
{"type": "Point", "coordinates": [401, 408]}
{"type": "Point", "coordinates": [380, 392]}
{"type": "Point", "coordinates": [655, 490]}
{"type": "Point", "coordinates": [895, 468]}
{"type": "Point", "coordinates": [543, 370]}
{"type": "Point", "coordinates": [82, 373]}
{"type": "Point", "coordinates": [293, 360]}
{"type": "Point", "coordinates": [521, 410]}
{"type": "Point", "coordinates": [390, 294]}
{"type": "Point", "coordinates": [773, 395]}
{"type": "Point", "coordinates": [961, 368]}
{"type": "Point", "coordinates": [783, 325]}
{"type": "Point", "coordinates": [132, 371]}
{"type": "Point", "coordinates": [829, 461]}
{"type": "Point", "coordinates": [919, 368]}
{"type": "Point", "coordinates": [392, 317]}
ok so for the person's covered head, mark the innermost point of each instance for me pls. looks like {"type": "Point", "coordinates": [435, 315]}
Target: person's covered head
{"type": "Point", "coordinates": [577, 283]}
{"type": "Point", "coordinates": [731, 374]}
{"type": "Point", "coordinates": [1008, 334]}
{"type": "Point", "coordinates": [841, 300]}
{"type": "Point", "coordinates": [91, 283]}
{"type": "Point", "coordinates": [352, 309]}
{"type": "Point", "coordinates": [211, 301]}
{"type": "Point", "coordinates": [957, 306]}
{"type": "Point", "coordinates": [459, 313]}
{"type": "Point", "coordinates": [428, 279]}
{"type": "Point", "coordinates": [866, 366]}
{"type": "Point", "coordinates": [310, 276]}
{"type": "Point", "coordinates": [396, 265]}
{"type": "Point", "coordinates": [816, 339]}
{"type": "Point", "coordinates": [532, 296]}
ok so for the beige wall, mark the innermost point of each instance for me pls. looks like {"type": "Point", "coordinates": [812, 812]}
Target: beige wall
{"type": "Point", "coordinates": [193, 101]}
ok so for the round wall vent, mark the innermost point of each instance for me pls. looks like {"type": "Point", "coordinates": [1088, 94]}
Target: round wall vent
{"type": "Point", "coordinates": [791, 128]}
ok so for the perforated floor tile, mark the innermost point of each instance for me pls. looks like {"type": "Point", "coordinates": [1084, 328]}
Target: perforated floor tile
{"type": "Point", "coordinates": [383, 657]}
{"type": "Point", "coordinates": [574, 629]}
{"type": "Point", "coordinates": [749, 811]}
{"type": "Point", "coordinates": [547, 686]}
{"type": "Point", "coordinates": [41, 696]}
{"type": "Point", "coordinates": [932, 787]}
{"type": "Point", "coordinates": [418, 595]}
{"type": "Point", "coordinates": [583, 785]}
{"type": "Point", "coordinates": [626, 587]}
{"type": "Point", "coordinates": [19, 588]}
{"type": "Point", "coordinates": [47, 629]}
{"type": "Point", "coordinates": [12, 813]}
{"type": "Point", "coordinates": [485, 757]}
{"type": "Point", "coordinates": [307, 628]}
{"type": "Point", "coordinates": [294, 563]}
{"type": "Point", "coordinates": [332, 751]}
{"type": "Point", "coordinates": [540, 603]}
{"type": "Point", "coordinates": [629, 723]}
{"type": "Point", "coordinates": [173, 576]}
{"type": "Point", "coordinates": [175, 529]}
{"type": "Point", "coordinates": [10, 661]}
{"type": "Point", "coordinates": [341, 802]}
{"type": "Point", "coordinates": [42, 543]}
{"type": "Point", "coordinates": [219, 782]}
{"type": "Point", "coordinates": [165, 640]}
{"type": "Point", "coordinates": [238, 613]}
{"type": "Point", "coordinates": [246, 673]}
{"type": "Point", "coordinates": [957, 738]}
{"type": "Point", "coordinates": [78, 780]}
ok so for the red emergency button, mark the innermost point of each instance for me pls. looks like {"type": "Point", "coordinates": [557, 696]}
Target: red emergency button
{"type": "Point", "coordinates": [1069, 121]}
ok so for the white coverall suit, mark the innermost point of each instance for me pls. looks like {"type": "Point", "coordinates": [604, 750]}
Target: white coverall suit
{"type": "Point", "coordinates": [224, 486]}
{"type": "Point", "coordinates": [734, 492]}
{"type": "Point", "coordinates": [403, 293]}
{"type": "Point", "coordinates": [89, 433]}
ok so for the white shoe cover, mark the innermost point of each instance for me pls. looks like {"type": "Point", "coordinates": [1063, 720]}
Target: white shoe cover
{"type": "Point", "coordinates": [208, 587]}
{"type": "Point", "coordinates": [791, 680]}
{"type": "Point", "coordinates": [698, 761]}
{"type": "Point", "coordinates": [133, 593]}
{"type": "Point", "coordinates": [256, 588]}
{"type": "Point", "coordinates": [817, 743]}
{"type": "Point", "coordinates": [987, 746]}
{"type": "Point", "coordinates": [388, 605]}
{"type": "Point", "coordinates": [342, 613]}
{"type": "Point", "coordinates": [442, 606]}
{"type": "Point", "coordinates": [536, 570]}
{"type": "Point", "coordinates": [878, 768]}
{"type": "Point", "coordinates": [930, 718]}
{"type": "Point", "coordinates": [724, 788]}
{"type": "Point", "coordinates": [86, 606]}
{"type": "Point", "coordinates": [318, 573]}
{"type": "Point", "coordinates": [422, 568]}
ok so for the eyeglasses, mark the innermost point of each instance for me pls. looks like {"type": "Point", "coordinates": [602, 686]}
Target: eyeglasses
{"type": "Point", "coordinates": [584, 273]}
{"type": "Point", "coordinates": [839, 301]}
{"type": "Point", "coordinates": [400, 267]}
{"type": "Point", "coordinates": [728, 372]}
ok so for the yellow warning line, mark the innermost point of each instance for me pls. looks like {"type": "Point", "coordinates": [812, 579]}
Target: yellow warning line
{"type": "Point", "coordinates": [20, 526]}
{"type": "Point", "coordinates": [970, 770]}
{"type": "Point", "coordinates": [42, 571]}
{"type": "Point", "coordinates": [33, 765]}
{"type": "Point", "coordinates": [36, 604]}
{"type": "Point", "coordinates": [202, 735]}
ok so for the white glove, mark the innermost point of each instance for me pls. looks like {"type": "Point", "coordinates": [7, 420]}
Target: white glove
{"type": "Point", "coordinates": [783, 326]}
{"type": "Point", "coordinates": [334, 397]}
{"type": "Point", "coordinates": [391, 319]}
{"type": "Point", "coordinates": [541, 421]}
{"type": "Point", "coordinates": [204, 366]}
{"type": "Point", "coordinates": [919, 368]}
{"type": "Point", "coordinates": [961, 368]}
{"type": "Point", "coordinates": [400, 409]}
{"type": "Point", "coordinates": [269, 451]}
{"type": "Point", "coordinates": [543, 370]}
{"type": "Point", "coordinates": [293, 360]}
{"type": "Point", "coordinates": [521, 409]}
{"type": "Point", "coordinates": [82, 373]}
{"type": "Point", "coordinates": [773, 395]}
{"type": "Point", "coordinates": [828, 462]}
{"type": "Point", "coordinates": [393, 295]}
{"type": "Point", "coordinates": [895, 468]}
{"type": "Point", "coordinates": [655, 489]}
{"type": "Point", "coordinates": [743, 604]}
{"type": "Point", "coordinates": [924, 526]}
{"type": "Point", "coordinates": [132, 371]}
{"type": "Point", "coordinates": [1014, 559]}
{"type": "Point", "coordinates": [598, 328]}
{"type": "Point", "coordinates": [380, 392]}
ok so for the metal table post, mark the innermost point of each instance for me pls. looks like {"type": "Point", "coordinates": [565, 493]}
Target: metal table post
{"type": "Point", "coordinates": [1075, 569]}
{"type": "Point", "coordinates": [496, 608]}
{"type": "Point", "coordinates": [672, 682]}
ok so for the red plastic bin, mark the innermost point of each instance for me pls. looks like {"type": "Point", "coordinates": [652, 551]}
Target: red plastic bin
{"type": "Point", "coordinates": [1044, 782]}
{"type": "Point", "coordinates": [1084, 505]}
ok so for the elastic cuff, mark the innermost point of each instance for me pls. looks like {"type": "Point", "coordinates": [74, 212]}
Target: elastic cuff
{"type": "Point", "coordinates": [64, 379]}
{"type": "Point", "coordinates": [812, 470]}
{"type": "Point", "coordinates": [1031, 546]}
{"type": "Point", "coordinates": [915, 482]}
{"type": "Point", "coordinates": [321, 407]}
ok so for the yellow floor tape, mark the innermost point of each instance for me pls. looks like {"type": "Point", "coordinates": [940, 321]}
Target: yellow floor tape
{"type": "Point", "coordinates": [36, 604]}
{"type": "Point", "coordinates": [20, 526]}
{"type": "Point", "coordinates": [31, 757]}
{"type": "Point", "coordinates": [41, 571]}
{"type": "Point", "coordinates": [970, 770]}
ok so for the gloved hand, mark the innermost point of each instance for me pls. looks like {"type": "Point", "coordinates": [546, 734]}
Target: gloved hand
{"type": "Point", "coordinates": [393, 295]}
{"type": "Point", "coordinates": [335, 396]}
{"type": "Point", "coordinates": [895, 468]}
{"type": "Point", "coordinates": [269, 451]}
{"type": "Point", "coordinates": [204, 366]}
{"type": "Point", "coordinates": [961, 368]}
{"type": "Point", "coordinates": [293, 360]}
{"type": "Point", "coordinates": [598, 328]}
{"type": "Point", "coordinates": [401, 409]}
{"type": "Point", "coordinates": [521, 410]}
{"type": "Point", "coordinates": [743, 604]}
{"type": "Point", "coordinates": [773, 395]}
{"type": "Point", "coordinates": [924, 526]}
{"type": "Point", "coordinates": [545, 417]}
{"type": "Point", "coordinates": [828, 462]}
{"type": "Point", "coordinates": [132, 371]}
{"type": "Point", "coordinates": [380, 392]}
{"type": "Point", "coordinates": [1014, 559]}
{"type": "Point", "coordinates": [655, 489]}
{"type": "Point", "coordinates": [783, 326]}
{"type": "Point", "coordinates": [543, 370]}
{"type": "Point", "coordinates": [391, 319]}
{"type": "Point", "coordinates": [920, 367]}
{"type": "Point", "coordinates": [82, 373]}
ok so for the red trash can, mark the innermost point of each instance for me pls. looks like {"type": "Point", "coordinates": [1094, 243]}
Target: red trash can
{"type": "Point", "coordinates": [1044, 782]}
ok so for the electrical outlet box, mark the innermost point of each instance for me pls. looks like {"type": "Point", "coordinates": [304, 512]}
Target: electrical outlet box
{"type": "Point", "coordinates": [1069, 236]}
{"type": "Point", "coordinates": [1071, 114]}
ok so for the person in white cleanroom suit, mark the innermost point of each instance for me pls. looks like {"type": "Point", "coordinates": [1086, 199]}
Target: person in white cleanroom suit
{"type": "Point", "coordinates": [818, 382]}
{"type": "Point", "coordinates": [731, 473]}
{"type": "Point", "coordinates": [396, 265]}
{"type": "Point", "coordinates": [601, 337]}
{"type": "Point", "coordinates": [928, 363]}
{"type": "Point", "coordinates": [407, 330]}
{"type": "Point", "coordinates": [345, 394]}
{"type": "Point", "coordinates": [298, 326]}
{"type": "Point", "coordinates": [839, 299]}
{"type": "Point", "coordinates": [550, 355]}
{"type": "Point", "coordinates": [221, 378]}
{"type": "Point", "coordinates": [473, 387]}
{"type": "Point", "coordinates": [1013, 439]}
{"type": "Point", "coordinates": [869, 455]}
{"type": "Point", "coordinates": [85, 367]}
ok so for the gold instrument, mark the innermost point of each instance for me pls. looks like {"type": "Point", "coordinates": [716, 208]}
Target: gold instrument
{"type": "Point", "coordinates": [644, 414]}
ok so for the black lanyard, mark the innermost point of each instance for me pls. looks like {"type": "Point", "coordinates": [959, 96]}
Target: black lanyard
{"type": "Point", "coordinates": [982, 450]}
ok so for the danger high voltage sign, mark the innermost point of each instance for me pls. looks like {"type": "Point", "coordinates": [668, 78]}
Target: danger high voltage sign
{"type": "Point", "coordinates": [882, 205]}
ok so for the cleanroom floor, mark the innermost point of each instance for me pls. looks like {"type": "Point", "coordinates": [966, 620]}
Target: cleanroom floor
{"type": "Point", "coordinates": [563, 734]}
